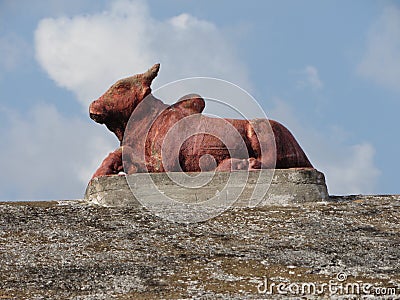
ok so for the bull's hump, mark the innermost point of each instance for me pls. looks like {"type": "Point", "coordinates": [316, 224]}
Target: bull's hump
{"type": "Point", "coordinates": [190, 104]}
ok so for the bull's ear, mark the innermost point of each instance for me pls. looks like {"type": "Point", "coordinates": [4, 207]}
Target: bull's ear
{"type": "Point", "coordinates": [150, 74]}
{"type": "Point", "coordinates": [145, 80]}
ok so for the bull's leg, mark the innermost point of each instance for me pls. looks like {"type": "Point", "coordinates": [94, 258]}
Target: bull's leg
{"type": "Point", "coordinates": [262, 142]}
{"type": "Point", "coordinates": [236, 164]}
{"type": "Point", "coordinates": [131, 162]}
{"type": "Point", "coordinates": [254, 164]}
{"type": "Point", "coordinates": [111, 165]}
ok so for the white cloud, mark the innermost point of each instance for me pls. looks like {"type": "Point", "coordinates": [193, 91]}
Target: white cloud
{"type": "Point", "coordinates": [381, 61]}
{"type": "Point", "coordinates": [48, 156]}
{"type": "Point", "coordinates": [349, 168]}
{"type": "Point", "coordinates": [310, 78]}
{"type": "Point", "coordinates": [88, 53]}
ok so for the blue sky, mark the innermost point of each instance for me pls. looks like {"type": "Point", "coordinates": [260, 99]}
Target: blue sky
{"type": "Point", "coordinates": [328, 70]}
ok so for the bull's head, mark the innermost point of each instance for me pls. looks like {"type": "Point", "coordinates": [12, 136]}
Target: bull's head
{"type": "Point", "coordinates": [115, 106]}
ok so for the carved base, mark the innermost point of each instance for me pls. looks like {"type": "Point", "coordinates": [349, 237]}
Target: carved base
{"type": "Point", "coordinates": [257, 188]}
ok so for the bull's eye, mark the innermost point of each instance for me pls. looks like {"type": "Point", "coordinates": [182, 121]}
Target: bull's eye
{"type": "Point", "coordinates": [121, 88]}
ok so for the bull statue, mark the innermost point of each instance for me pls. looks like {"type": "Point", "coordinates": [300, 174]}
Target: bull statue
{"type": "Point", "coordinates": [151, 140]}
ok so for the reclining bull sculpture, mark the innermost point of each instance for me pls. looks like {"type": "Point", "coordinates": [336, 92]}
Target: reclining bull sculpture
{"type": "Point", "coordinates": [141, 123]}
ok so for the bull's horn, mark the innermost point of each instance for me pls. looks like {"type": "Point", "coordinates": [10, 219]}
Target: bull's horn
{"type": "Point", "coordinates": [151, 73]}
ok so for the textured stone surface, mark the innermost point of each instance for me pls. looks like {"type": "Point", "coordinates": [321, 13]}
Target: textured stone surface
{"type": "Point", "coordinates": [159, 137]}
{"type": "Point", "coordinates": [285, 186]}
{"type": "Point", "coordinates": [71, 250]}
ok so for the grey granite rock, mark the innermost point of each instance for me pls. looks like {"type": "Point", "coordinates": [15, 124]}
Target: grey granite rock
{"type": "Point", "coordinates": [73, 250]}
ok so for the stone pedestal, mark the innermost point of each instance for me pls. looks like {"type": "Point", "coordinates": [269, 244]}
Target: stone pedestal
{"type": "Point", "coordinates": [241, 189]}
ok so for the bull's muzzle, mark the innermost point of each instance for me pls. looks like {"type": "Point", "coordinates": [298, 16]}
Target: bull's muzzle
{"type": "Point", "coordinates": [95, 113]}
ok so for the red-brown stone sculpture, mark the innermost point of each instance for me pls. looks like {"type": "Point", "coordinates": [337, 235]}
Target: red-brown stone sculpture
{"type": "Point", "coordinates": [144, 126]}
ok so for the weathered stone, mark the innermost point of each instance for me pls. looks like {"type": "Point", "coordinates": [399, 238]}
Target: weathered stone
{"type": "Point", "coordinates": [285, 186]}
{"type": "Point", "coordinates": [71, 250]}
{"type": "Point", "coordinates": [143, 125]}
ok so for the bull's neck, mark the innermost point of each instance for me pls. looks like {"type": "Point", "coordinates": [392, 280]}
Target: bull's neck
{"type": "Point", "coordinates": [118, 128]}
{"type": "Point", "coordinates": [147, 110]}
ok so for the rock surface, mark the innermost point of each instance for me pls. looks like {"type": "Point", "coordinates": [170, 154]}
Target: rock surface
{"type": "Point", "coordinates": [72, 250]}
